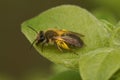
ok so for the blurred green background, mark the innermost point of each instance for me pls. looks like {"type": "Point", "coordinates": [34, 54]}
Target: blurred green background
{"type": "Point", "coordinates": [16, 59]}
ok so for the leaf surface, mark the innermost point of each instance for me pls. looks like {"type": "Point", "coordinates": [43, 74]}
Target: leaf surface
{"type": "Point", "coordinates": [100, 64]}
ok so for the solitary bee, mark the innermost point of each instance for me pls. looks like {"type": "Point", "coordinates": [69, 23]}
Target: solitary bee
{"type": "Point", "coordinates": [63, 39]}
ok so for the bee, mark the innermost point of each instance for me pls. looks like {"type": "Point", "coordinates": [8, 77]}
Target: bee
{"type": "Point", "coordinates": [62, 39]}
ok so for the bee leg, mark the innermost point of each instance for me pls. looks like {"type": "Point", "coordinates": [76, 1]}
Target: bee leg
{"type": "Point", "coordinates": [42, 46]}
{"type": "Point", "coordinates": [74, 52]}
{"type": "Point", "coordinates": [71, 50]}
{"type": "Point", "coordinates": [58, 47]}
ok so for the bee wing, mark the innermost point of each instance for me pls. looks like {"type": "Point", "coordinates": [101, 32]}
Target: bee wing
{"type": "Point", "coordinates": [67, 33]}
{"type": "Point", "coordinates": [73, 40]}
{"type": "Point", "coordinates": [75, 33]}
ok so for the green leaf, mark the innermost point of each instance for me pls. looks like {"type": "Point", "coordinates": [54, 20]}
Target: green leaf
{"type": "Point", "coordinates": [72, 18]}
{"type": "Point", "coordinates": [118, 24]}
{"type": "Point", "coordinates": [102, 13]}
{"type": "Point", "coordinates": [59, 68]}
{"type": "Point", "coordinates": [100, 64]}
{"type": "Point", "coordinates": [67, 75]}
{"type": "Point", "coordinates": [115, 39]}
{"type": "Point", "coordinates": [110, 27]}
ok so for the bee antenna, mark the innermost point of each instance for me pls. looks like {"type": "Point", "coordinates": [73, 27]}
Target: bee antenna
{"type": "Point", "coordinates": [32, 44]}
{"type": "Point", "coordinates": [32, 29]}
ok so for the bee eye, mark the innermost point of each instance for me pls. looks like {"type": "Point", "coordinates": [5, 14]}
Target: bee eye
{"type": "Point", "coordinates": [42, 38]}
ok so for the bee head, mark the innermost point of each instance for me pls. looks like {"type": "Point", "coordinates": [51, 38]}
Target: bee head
{"type": "Point", "coordinates": [40, 36]}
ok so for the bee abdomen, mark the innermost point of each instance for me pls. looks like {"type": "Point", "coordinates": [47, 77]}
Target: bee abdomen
{"type": "Point", "coordinates": [73, 41]}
